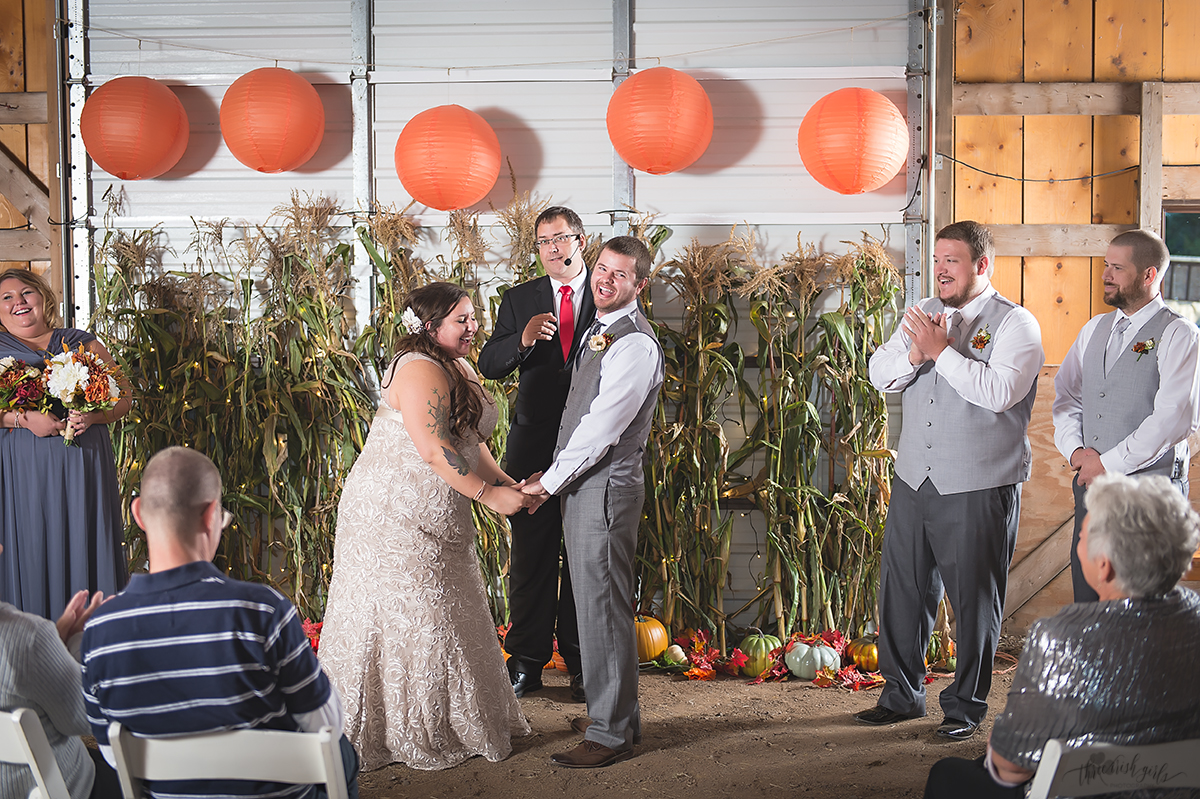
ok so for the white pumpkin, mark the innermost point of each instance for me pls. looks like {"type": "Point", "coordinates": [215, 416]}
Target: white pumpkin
{"type": "Point", "coordinates": [805, 660]}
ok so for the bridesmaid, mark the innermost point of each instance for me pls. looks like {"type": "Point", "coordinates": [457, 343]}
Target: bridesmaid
{"type": "Point", "coordinates": [60, 509]}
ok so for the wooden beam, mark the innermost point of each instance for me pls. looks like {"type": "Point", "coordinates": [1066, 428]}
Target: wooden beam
{"type": "Point", "coordinates": [22, 108]}
{"type": "Point", "coordinates": [1091, 99]}
{"type": "Point", "coordinates": [1150, 165]}
{"type": "Point", "coordinates": [942, 171]}
{"type": "Point", "coordinates": [1181, 182]}
{"type": "Point", "coordinates": [24, 191]}
{"type": "Point", "coordinates": [1028, 99]}
{"type": "Point", "coordinates": [1061, 240]}
{"type": "Point", "coordinates": [23, 245]}
{"type": "Point", "coordinates": [1036, 570]}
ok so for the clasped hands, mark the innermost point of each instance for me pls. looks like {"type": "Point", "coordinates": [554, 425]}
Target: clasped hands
{"type": "Point", "coordinates": [534, 490]}
{"type": "Point", "coordinates": [929, 334]}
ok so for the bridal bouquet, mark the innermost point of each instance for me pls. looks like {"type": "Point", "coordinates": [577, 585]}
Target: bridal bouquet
{"type": "Point", "coordinates": [81, 381]}
{"type": "Point", "coordinates": [21, 386]}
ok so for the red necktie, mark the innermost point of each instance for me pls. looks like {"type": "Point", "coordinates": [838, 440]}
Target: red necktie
{"type": "Point", "coordinates": [566, 321]}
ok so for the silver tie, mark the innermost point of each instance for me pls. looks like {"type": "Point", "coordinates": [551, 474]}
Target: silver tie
{"type": "Point", "coordinates": [1116, 343]}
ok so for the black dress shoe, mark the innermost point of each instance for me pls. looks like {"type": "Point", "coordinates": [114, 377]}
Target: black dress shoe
{"type": "Point", "coordinates": [881, 716]}
{"type": "Point", "coordinates": [577, 693]}
{"type": "Point", "coordinates": [957, 730]}
{"type": "Point", "coordinates": [524, 682]}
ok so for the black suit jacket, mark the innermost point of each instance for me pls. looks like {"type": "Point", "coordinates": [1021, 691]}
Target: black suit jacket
{"type": "Point", "coordinates": [544, 382]}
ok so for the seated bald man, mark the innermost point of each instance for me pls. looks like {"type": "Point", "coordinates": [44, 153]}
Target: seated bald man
{"type": "Point", "coordinates": [1106, 671]}
{"type": "Point", "coordinates": [186, 649]}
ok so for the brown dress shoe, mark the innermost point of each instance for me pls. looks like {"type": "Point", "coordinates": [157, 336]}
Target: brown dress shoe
{"type": "Point", "coordinates": [590, 754]}
{"type": "Point", "coordinates": [580, 724]}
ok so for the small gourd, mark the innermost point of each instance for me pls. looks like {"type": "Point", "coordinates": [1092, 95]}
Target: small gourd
{"type": "Point", "coordinates": [757, 647]}
{"type": "Point", "coordinates": [865, 652]}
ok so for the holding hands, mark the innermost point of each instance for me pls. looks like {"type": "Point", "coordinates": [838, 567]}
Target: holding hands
{"type": "Point", "coordinates": [928, 333]}
{"type": "Point", "coordinates": [506, 499]}
{"type": "Point", "coordinates": [536, 493]}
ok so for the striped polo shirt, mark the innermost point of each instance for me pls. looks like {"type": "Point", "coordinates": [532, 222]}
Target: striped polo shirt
{"type": "Point", "coordinates": [191, 650]}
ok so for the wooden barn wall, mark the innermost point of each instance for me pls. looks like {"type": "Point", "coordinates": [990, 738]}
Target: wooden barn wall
{"type": "Point", "coordinates": [23, 66]}
{"type": "Point", "coordinates": [1033, 41]}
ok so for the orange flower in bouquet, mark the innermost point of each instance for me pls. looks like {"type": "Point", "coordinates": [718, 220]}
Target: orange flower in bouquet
{"type": "Point", "coordinates": [21, 387]}
{"type": "Point", "coordinates": [81, 380]}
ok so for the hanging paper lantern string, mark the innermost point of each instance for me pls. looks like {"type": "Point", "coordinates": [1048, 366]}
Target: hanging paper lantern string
{"type": "Point", "coordinates": [853, 141]}
{"type": "Point", "coordinates": [134, 128]}
{"type": "Point", "coordinates": [272, 120]}
{"type": "Point", "coordinates": [448, 157]}
{"type": "Point", "coordinates": [660, 120]}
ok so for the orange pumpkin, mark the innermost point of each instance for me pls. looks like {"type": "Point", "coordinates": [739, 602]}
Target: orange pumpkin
{"type": "Point", "coordinates": [651, 638]}
{"type": "Point", "coordinates": [865, 652]}
{"type": "Point", "coordinates": [556, 662]}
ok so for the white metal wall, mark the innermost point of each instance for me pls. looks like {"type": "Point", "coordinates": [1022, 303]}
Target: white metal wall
{"type": "Point", "coordinates": [540, 72]}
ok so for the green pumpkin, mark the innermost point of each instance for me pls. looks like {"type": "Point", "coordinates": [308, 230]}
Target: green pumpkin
{"type": "Point", "coordinates": [758, 646]}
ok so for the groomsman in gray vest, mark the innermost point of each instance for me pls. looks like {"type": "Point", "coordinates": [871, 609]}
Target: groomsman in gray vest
{"type": "Point", "coordinates": [966, 363]}
{"type": "Point", "coordinates": [1126, 395]}
{"type": "Point", "coordinates": [597, 471]}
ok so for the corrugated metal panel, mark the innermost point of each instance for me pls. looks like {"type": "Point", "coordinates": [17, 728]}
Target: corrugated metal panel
{"type": "Point", "coordinates": [218, 37]}
{"type": "Point", "coordinates": [770, 33]}
{"type": "Point", "coordinates": [460, 34]}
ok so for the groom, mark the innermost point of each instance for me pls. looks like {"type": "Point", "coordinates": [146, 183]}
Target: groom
{"type": "Point", "coordinates": [597, 471]}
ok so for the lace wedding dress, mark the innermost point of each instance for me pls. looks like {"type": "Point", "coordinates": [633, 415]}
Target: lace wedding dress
{"type": "Point", "coordinates": [408, 638]}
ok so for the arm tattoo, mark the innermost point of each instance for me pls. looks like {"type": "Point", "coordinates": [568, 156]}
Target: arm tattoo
{"type": "Point", "coordinates": [456, 461]}
{"type": "Point", "coordinates": [499, 482]}
{"type": "Point", "coordinates": [440, 412]}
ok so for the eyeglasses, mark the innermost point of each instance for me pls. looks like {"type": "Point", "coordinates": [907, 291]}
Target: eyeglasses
{"type": "Point", "coordinates": [557, 241]}
{"type": "Point", "coordinates": [226, 519]}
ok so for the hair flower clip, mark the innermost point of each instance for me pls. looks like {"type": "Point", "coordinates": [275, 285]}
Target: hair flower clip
{"type": "Point", "coordinates": [412, 322]}
{"type": "Point", "coordinates": [1142, 347]}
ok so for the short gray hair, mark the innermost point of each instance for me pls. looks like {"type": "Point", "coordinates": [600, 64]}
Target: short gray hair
{"type": "Point", "coordinates": [1145, 527]}
{"type": "Point", "coordinates": [177, 485]}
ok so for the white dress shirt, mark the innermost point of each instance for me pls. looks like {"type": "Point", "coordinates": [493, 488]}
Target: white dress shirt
{"type": "Point", "coordinates": [576, 285]}
{"type": "Point", "coordinates": [629, 372]}
{"type": "Point", "coordinates": [996, 384]}
{"type": "Point", "coordinates": [1176, 413]}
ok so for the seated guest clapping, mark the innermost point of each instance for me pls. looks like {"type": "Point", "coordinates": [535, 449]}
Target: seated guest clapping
{"type": "Point", "coordinates": [37, 672]}
{"type": "Point", "coordinates": [1109, 671]}
{"type": "Point", "coordinates": [186, 649]}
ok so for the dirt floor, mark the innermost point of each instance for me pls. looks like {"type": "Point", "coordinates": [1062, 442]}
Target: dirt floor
{"type": "Point", "coordinates": [713, 739]}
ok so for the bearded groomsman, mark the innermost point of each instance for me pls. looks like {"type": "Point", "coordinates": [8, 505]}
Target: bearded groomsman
{"type": "Point", "coordinates": [966, 364]}
{"type": "Point", "coordinates": [1126, 395]}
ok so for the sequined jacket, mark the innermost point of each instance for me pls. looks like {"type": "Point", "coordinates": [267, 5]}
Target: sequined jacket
{"type": "Point", "coordinates": [1116, 672]}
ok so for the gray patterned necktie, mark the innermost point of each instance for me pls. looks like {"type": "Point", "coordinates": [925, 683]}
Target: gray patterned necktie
{"type": "Point", "coordinates": [1116, 343]}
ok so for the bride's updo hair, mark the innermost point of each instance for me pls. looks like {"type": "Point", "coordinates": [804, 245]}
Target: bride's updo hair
{"type": "Point", "coordinates": [432, 304]}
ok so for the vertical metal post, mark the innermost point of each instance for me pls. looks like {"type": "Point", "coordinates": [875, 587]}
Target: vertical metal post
{"type": "Point", "coordinates": [362, 96]}
{"type": "Point", "coordinates": [623, 188]}
{"type": "Point", "coordinates": [918, 224]}
{"type": "Point", "coordinates": [76, 201]}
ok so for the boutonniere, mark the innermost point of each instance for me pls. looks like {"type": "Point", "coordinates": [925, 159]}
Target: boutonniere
{"type": "Point", "coordinates": [981, 338]}
{"type": "Point", "coordinates": [599, 342]}
{"type": "Point", "coordinates": [1142, 347]}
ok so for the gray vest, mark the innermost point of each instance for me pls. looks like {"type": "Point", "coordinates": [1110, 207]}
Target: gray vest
{"type": "Point", "coordinates": [1114, 405]}
{"type": "Point", "coordinates": [955, 444]}
{"type": "Point", "coordinates": [629, 451]}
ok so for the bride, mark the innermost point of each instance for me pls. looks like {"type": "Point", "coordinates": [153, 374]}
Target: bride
{"type": "Point", "coordinates": [408, 638]}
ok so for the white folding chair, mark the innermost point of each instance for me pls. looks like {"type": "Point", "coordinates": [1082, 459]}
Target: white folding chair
{"type": "Point", "coordinates": [266, 755]}
{"type": "Point", "coordinates": [1105, 768]}
{"type": "Point", "coordinates": [23, 741]}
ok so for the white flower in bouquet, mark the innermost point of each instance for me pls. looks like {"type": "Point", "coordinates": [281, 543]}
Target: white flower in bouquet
{"type": "Point", "coordinates": [67, 378]}
{"type": "Point", "coordinates": [6, 364]}
{"type": "Point", "coordinates": [114, 391]}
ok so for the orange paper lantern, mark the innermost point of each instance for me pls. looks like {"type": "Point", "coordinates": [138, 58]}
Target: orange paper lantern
{"type": "Point", "coordinates": [448, 157]}
{"type": "Point", "coordinates": [853, 141]}
{"type": "Point", "coordinates": [134, 128]}
{"type": "Point", "coordinates": [660, 120]}
{"type": "Point", "coordinates": [272, 120]}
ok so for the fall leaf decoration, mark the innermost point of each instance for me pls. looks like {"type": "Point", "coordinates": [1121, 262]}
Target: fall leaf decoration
{"type": "Point", "coordinates": [706, 660]}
